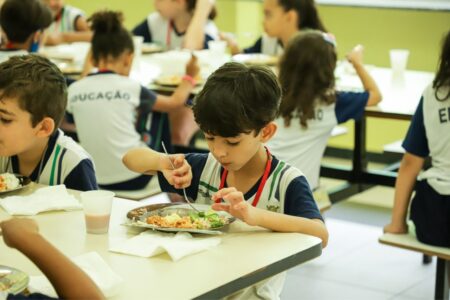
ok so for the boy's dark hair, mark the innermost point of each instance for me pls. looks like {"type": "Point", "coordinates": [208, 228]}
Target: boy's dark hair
{"type": "Point", "coordinates": [21, 18]}
{"type": "Point", "coordinates": [191, 7]}
{"type": "Point", "coordinates": [110, 38]}
{"type": "Point", "coordinates": [306, 75]}
{"type": "Point", "coordinates": [442, 79]}
{"type": "Point", "coordinates": [237, 99]}
{"type": "Point", "coordinates": [38, 84]}
{"type": "Point", "coordinates": [307, 13]}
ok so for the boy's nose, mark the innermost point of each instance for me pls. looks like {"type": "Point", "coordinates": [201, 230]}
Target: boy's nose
{"type": "Point", "coordinates": [219, 152]}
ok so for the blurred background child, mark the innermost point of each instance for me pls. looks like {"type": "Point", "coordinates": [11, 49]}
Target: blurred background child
{"type": "Point", "coordinates": [22, 23]}
{"type": "Point", "coordinates": [180, 24]}
{"type": "Point", "coordinates": [111, 110]}
{"type": "Point", "coordinates": [69, 24]}
{"type": "Point", "coordinates": [282, 19]}
{"type": "Point", "coordinates": [311, 106]}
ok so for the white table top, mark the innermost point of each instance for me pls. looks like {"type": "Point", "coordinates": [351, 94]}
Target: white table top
{"type": "Point", "coordinates": [245, 256]}
{"type": "Point", "coordinates": [401, 95]}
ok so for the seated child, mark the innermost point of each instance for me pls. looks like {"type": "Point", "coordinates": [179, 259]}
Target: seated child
{"type": "Point", "coordinates": [33, 98]}
{"type": "Point", "coordinates": [311, 106]}
{"type": "Point", "coordinates": [105, 104]}
{"type": "Point", "coordinates": [65, 276]}
{"type": "Point", "coordinates": [180, 24]}
{"type": "Point", "coordinates": [69, 24]}
{"type": "Point", "coordinates": [22, 22]}
{"type": "Point", "coordinates": [282, 20]}
{"type": "Point", "coordinates": [427, 137]}
{"type": "Point", "coordinates": [235, 110]}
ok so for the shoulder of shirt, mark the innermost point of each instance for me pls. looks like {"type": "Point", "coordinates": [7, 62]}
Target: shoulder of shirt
{"type": "Point", "coordinates": [73, 9]}
{"type": "Point", "coordinates": [287, 169]}
{"type": "Point", "coordinates": [74, 151]}
{"type": "Point", "coordinates": [156, 17]}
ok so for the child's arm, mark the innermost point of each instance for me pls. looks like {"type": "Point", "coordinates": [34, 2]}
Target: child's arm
{"type": "Point", "coordinates": [68, 37]}
{"type": "Point", "coordinates": [404, 185]}
{"type": "Point", "coordinates": [65, 276]}
{"type": "Point", "coordinates": [181, 94]}
{"type": "Point", "coordinates": [231, 43]}
{"type": "Point", "coordinates": [355, 57]}
{"type": "Point", "coordinates": [239, 208]}
{"type": "Point", "coordinates": [148, 161]}
{"type": "Point", "coordinates": [195, 34]}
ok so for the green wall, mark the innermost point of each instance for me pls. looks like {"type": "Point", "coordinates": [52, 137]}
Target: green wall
{"type": "Point", "coordinates": [377, 29]}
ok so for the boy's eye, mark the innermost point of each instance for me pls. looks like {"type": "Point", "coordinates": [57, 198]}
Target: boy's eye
{"type": "Point", "coordinates": [232, 143]}
{"type": "Point", "coordinates": [5, 121]}
{"type": "Point", "coordinates": [209, 138]}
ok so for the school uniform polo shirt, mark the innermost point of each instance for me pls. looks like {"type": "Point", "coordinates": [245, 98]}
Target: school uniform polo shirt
{"type": "Point", "coordinates": [105, 107]}
{"type": "Point", "coordinates": [64, 162]}
{"type": "Point", "coordinates": [66, 21]}
{"type": "Point", "coordinates": [286, 190]}
{"type": "Point", "coordinates": [428, 135]}
{"type": "Point", "coordinates": [266, 45]}
{"type": "Point", "coordinates": [303, 148]}
{"type": "Point", "coordinates": [156, 29]}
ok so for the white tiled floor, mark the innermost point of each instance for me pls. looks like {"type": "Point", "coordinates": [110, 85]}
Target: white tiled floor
{"type": "Point", "coordinates": [356, 266]}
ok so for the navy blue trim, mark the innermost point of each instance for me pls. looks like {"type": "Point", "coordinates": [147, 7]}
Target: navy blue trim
{"type": "Point", "coordinates": [416, 141]}
{"type": "Point", "coordinates": [102, 72]}
{"type": "Point", "coordinates": [142, 29]}
{"type": "Point", "coordinates": [299, 200]}
{"type": "Point", "coordinates": [129, 185]}
{"type": "Point", "coordinates": [82, 177]}
{"type": "Point", "coordinates": [61, 157]}
{"type": "Point", "coordinates": [350, 105]}
{"type": "Point", "coordinates": [256, 48]}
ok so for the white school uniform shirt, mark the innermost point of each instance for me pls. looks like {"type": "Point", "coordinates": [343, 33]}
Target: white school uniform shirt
{"type": "Point", "coordinates": [303, 148]}
{"type": "Point", "coordinates": [104, 109]}
{"type": "Point", "coordinates": [428, 135]}
{"type": "Point", "coordinates": [163, 32]}
{"type": "Point", "coordinates": [66, 22]}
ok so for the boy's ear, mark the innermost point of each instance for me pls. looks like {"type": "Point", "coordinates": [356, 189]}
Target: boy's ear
{"type": "Point", "coordinates": [293, 17]}
{"type": "Point", "coordinates": [268, 131]}
{"type": "Point", "coordinates": [46, 127]}
{"type": "Point", "coordinates": [129, 59]}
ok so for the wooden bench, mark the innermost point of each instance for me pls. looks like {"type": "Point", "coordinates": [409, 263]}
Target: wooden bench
{"type": "Point", "coordinates": [410, 242]}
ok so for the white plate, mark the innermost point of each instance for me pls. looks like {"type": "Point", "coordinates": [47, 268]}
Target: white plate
{"type": "Point", "coordinates": [24, 181]}
{"type": "Point", "coordinates": [12, 280]}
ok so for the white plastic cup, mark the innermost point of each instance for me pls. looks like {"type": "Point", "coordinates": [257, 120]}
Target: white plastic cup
{"type": "Point", "coordinates": [399, 60]}
{"type": "Point", "coordinates": [137, 42]}
{"type": "Point", "coordinates": [217, 47]}
{"type": "Point", "coordinates": [97, 210]}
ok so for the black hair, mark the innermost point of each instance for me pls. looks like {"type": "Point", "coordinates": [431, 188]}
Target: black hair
{"type": "Point", "coordinates": [237, 99]}
{"type": "Point", "coordinates": [19, 19]}
{"type": "Point", "coordinates": [110, 38]}
{"type": "Point", "coordinates": [307, 13]}
{"type": "Point", "coordinates": [306, 75]}
{"type": "Point", "coordinates": [442, 79]}
{"type": "Point", "coordinates": [37, 84]}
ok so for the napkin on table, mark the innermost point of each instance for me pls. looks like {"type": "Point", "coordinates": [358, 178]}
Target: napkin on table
{"type": "Point", "coordinates": [150, 243]}
{"type": "Point", "coordinates": [94, 266]}
{"type": "Point", "coordinates": [44, 199]}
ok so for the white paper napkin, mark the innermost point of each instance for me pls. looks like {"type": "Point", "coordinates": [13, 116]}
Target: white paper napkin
{"type": "Point", "coordinates": [150, 243]}
{"type": "Point", "coordinates": [44, 199]}
{"type": "Point", "coordinates": [94, 266]}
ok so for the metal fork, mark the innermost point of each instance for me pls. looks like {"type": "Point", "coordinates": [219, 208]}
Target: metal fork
{"type": "Point", "coordinates": [184, 190]}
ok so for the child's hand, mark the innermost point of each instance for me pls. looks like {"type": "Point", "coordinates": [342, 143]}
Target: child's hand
{"type": "Point", "coordinates": [396, 228]}
{"type": "Point", "coordinates": [355, 57]}
{"type": "Point", "coordinates": [192, 67]}
{"type": "Point", "coordinates": [236, 206]}
{"type": "Point", "coordinates": [16, 230]}
{"type": "Point", "coordinates": [231, 42]}
{"type": "Point", "coordinates": [181, 176]}
{"type": "Point", "coordinates": [207, 5]}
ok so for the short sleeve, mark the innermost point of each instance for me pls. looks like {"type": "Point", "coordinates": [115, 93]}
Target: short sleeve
{"type": "Point", "coordinates": [350, 105]}
{"type": "Point", "coordinates": [299, 200]}
{"type": "Point", "coordinates": [207, 39]}
{"type": "Point", "coordinates": [82, 177]}
{"type": "Point", "coordinates": [256, 48]}
{"type": "Point", "coordinates": [416, 139]}
{"type": "Point", "coordinates": [142, 30]}
{"type": "Point", "coordinates": [147, 97]}
{"type": "Point", "coordinates": [197, 162]}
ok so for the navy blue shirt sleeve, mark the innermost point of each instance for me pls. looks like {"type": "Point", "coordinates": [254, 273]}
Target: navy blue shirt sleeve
{"type": "Point", "coordinates": [207, 39]}
{"type": "Point", "coordinates": [147, 97]}
{"type": "Point", "coordinates": [142, 30]}
{"type": "Point", "coordinates": [197, 162]}
{"type": "Point", "coordinates": [350, 105]}
{"type": "Point", "coordinates": [33, 296]}
{"type": "Point", "coordinates": [416, 139]}
{"type": "Point", "coordinates": [82, 177]}
{"type": "Point", "coordinates": [256, 48]}
{"type": "Point", "coordinates": [299, 200]}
